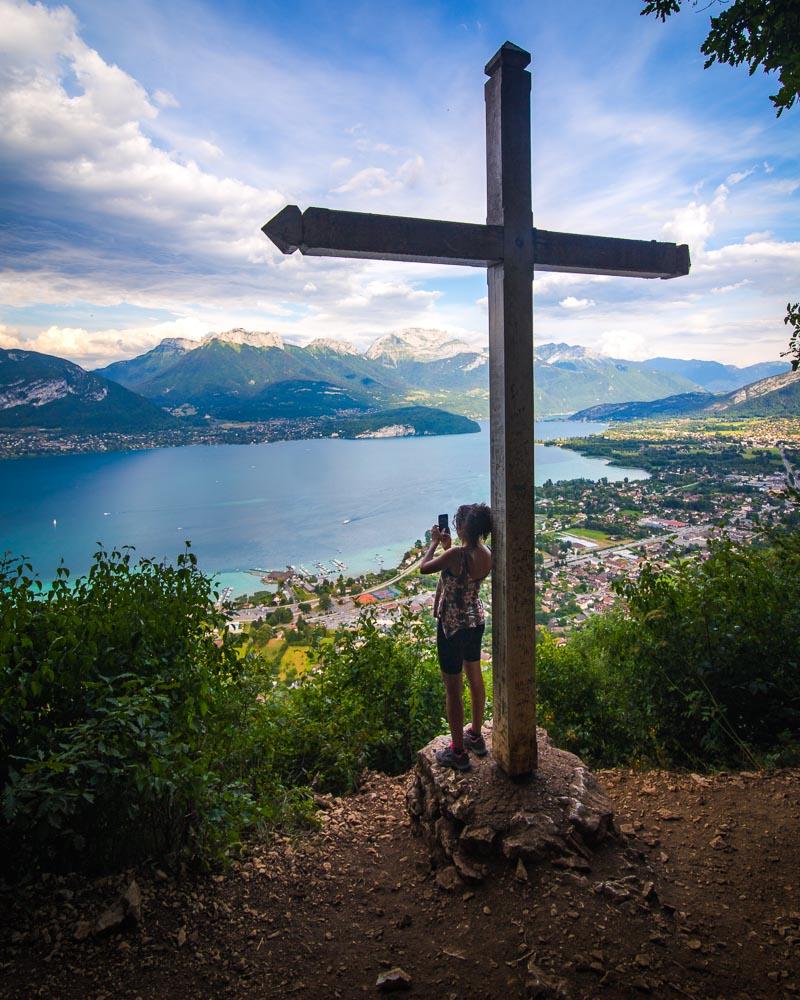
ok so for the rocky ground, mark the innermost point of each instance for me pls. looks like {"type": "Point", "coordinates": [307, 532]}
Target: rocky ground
{"type": "Point", "coordinates": [703, 900]}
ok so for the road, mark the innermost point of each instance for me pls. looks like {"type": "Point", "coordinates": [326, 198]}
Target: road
{"type": "Point", "coordinates": [642, 543]}
{"type": "Point", "coordinates": [791, 475]}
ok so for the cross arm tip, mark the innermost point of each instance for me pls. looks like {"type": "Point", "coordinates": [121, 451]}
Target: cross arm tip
{"type": "Point", "coordinates": [682, 261]}
{"type": "Point", "coordinates": [510, 55]}
{"type": "Point", "coordinates": [285, 229]}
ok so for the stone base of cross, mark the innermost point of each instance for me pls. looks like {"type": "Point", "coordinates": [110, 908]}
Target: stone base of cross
{"type": "Point", "coordinates": [511, 250]}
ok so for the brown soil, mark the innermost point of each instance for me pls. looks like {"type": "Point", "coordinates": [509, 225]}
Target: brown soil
{"type": "Point", "coordinates": [325, 914]}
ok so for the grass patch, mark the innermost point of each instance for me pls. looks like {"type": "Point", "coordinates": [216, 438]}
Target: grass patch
{"type": "Point", "coordinates": [295, 658]}
{"type": "Point", "coordinates": [593, 535]}
{"type": "Point", "coordinates": [301, 594]}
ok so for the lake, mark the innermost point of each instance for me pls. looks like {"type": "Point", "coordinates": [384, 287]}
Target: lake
{"type": "Point", "coordinates": [260, 506]}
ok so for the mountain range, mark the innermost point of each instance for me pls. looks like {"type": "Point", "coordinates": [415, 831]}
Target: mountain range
{"type": "Point", "coordinates": [244, 375]}
{"type": "Point", "coordinates": [774, 396]}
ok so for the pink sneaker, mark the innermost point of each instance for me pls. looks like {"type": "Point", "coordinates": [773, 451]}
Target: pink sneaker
{"type": "Point", "coordinates": [475, 742]}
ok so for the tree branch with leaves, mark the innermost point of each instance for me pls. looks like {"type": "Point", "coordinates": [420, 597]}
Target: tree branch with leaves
{"type": "Point", "coordinates": [761, 33]}
{"type": "Point", "coordinates": [792, 320]}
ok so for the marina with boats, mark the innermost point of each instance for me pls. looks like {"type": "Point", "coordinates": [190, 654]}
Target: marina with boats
{"type": "Point", "coordinates": [324, 571]}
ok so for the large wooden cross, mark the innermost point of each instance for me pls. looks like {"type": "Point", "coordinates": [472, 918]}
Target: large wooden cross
{"type": "Point", "coordinates": [511, 250]}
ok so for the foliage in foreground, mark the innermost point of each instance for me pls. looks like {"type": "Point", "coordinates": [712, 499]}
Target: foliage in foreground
{"type": "Point", "coordinates": [132, 724]}
{"type": "Point", "coordinates": [125, 728]}
{"type": "Point", "coordinates": [376, 699]}
{"type": "Point", "coordinates": [700, 668]}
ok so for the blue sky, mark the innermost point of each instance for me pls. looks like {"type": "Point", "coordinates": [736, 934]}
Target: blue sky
{"type": "Point", "coordinates": [146, 143]}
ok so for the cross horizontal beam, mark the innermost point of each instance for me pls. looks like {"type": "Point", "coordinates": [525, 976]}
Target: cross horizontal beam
{"type": "Point", "coordinates": [578, 254]}
{"type": "Point", "coordinates": [322, 232]}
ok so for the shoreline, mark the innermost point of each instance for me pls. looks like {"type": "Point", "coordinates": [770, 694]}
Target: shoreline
{"type": "Point", "coordinates": [358, 563]}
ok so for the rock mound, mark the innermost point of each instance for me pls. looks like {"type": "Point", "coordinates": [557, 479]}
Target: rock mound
{"type": "Point", "coordinates": [559, 814]}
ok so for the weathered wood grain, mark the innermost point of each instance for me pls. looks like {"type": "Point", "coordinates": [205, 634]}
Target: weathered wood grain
{"type": "Point", "coordinates": [508, 182]}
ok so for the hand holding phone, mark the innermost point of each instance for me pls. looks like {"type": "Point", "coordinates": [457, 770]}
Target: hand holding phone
{"type": "Point", "coordinates": [444, 527]}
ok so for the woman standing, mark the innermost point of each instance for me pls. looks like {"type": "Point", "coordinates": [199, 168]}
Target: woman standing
{"type": "Point", "coordinates": [460, 627]}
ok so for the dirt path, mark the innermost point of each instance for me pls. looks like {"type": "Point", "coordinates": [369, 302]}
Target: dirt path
{"type": "Point", "coordinates": [324, 915]}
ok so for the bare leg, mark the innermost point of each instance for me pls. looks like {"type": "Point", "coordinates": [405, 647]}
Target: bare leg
{"type": "Point", "coordinates": [477, 692]}
{"type": "Point", "coordinates": [454, 706]}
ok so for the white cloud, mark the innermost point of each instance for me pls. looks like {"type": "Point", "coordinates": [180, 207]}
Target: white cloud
{"type": "Point", "coordinates": [695, 222]}
{"type": "Point", "coordinates": [628, 344]}
{"type": "Point", "coordinates": [370, 146]}
{"type": "Point", "coordinates": [341, 162]}
{"type": "Point", "coordinates": [373, 181]}
{"type": "Point", "coordinates": [723, 289]}
{"type": "Point", "coordinates": [208, 149]}
{"type": "Point", "coordinates": [95, 348]}
{"type": "Point", "coordinates": [772, 265]}
{"type": "Point", "coordinates": [761, 237]}
{"type": "Point", "coordinates": [387, 291]}
{"type": "Point", "coordinates": [93, 143]}
{"type": "Point", "coordinates": [570, 302]}
{"type": "Point", "coordinates": [788, 186]}
{"type": "Point", "coordinates": [164, 99]}
{"type": "Point", "coordinates": [8, 339]}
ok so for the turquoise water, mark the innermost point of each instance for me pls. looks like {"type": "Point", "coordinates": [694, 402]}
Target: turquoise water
{"type": "Point", "coordinates": [259, 506]}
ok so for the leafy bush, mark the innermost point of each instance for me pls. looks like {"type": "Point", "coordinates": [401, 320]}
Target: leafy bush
{"type": "Point", "coordinates": [133, 724]}
{"type": "Point", "coordinates": [376, 699]}
{"type": "Point", "coordinates": [701, 668]}
{"type": "Point", "coordinates": [589, 694]}
{"type": "Point", "coordinates": [126, 725]}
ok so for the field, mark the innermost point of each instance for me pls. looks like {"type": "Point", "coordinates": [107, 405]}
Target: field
{"type": "Point", "coordinates": [593, 535]}
{"type": "Point", "coordinates": [295, 658]}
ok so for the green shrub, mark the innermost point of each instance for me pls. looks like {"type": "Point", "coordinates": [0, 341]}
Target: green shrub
{"type": "Point", "coordinates": [126, 727]}
{"type": "Point", "coordinates": [702, 667]}
{"type": "Point", "coordinates": [588, 694]}
{"type": "Point", "coordinates": [375, 699]}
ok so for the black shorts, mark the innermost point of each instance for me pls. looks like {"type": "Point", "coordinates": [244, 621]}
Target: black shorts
{"type": "Point", "coordinates": [465, 644]}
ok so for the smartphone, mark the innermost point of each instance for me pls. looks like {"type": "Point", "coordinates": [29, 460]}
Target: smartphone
{"type": "Point", "coordinates": [444, 527]}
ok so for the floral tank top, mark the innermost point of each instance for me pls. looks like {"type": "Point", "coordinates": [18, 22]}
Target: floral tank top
{"type": "Point", "coordinates": [457, 604]}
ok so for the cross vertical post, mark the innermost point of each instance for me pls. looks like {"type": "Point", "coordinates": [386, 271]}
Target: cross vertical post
{"type": "Point", "coordinates": [508, 179]}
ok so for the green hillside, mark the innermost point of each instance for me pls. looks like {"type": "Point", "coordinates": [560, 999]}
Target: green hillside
{"type": "Point", "coordinates": [778, 396]}
{"type": "Point", "coordinates": [137, 372]}
{"type": "Point", "coordinates": [232, 380]}
{"type": "Point", "coordinates": [38, 390]}
{"type": "Point", "coordinates": [290, 399]}
{"type": "Point", "coordinates": [563, 387]}
{"type": "Point", "coordinates": [423, 420]}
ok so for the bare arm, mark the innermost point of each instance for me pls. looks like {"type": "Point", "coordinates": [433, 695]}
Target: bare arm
{"type": "Point", "coordinates": [432, 563]}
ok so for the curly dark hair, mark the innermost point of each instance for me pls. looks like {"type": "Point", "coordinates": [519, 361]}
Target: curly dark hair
{"type": "Point", "coordinates": [474, 521]}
